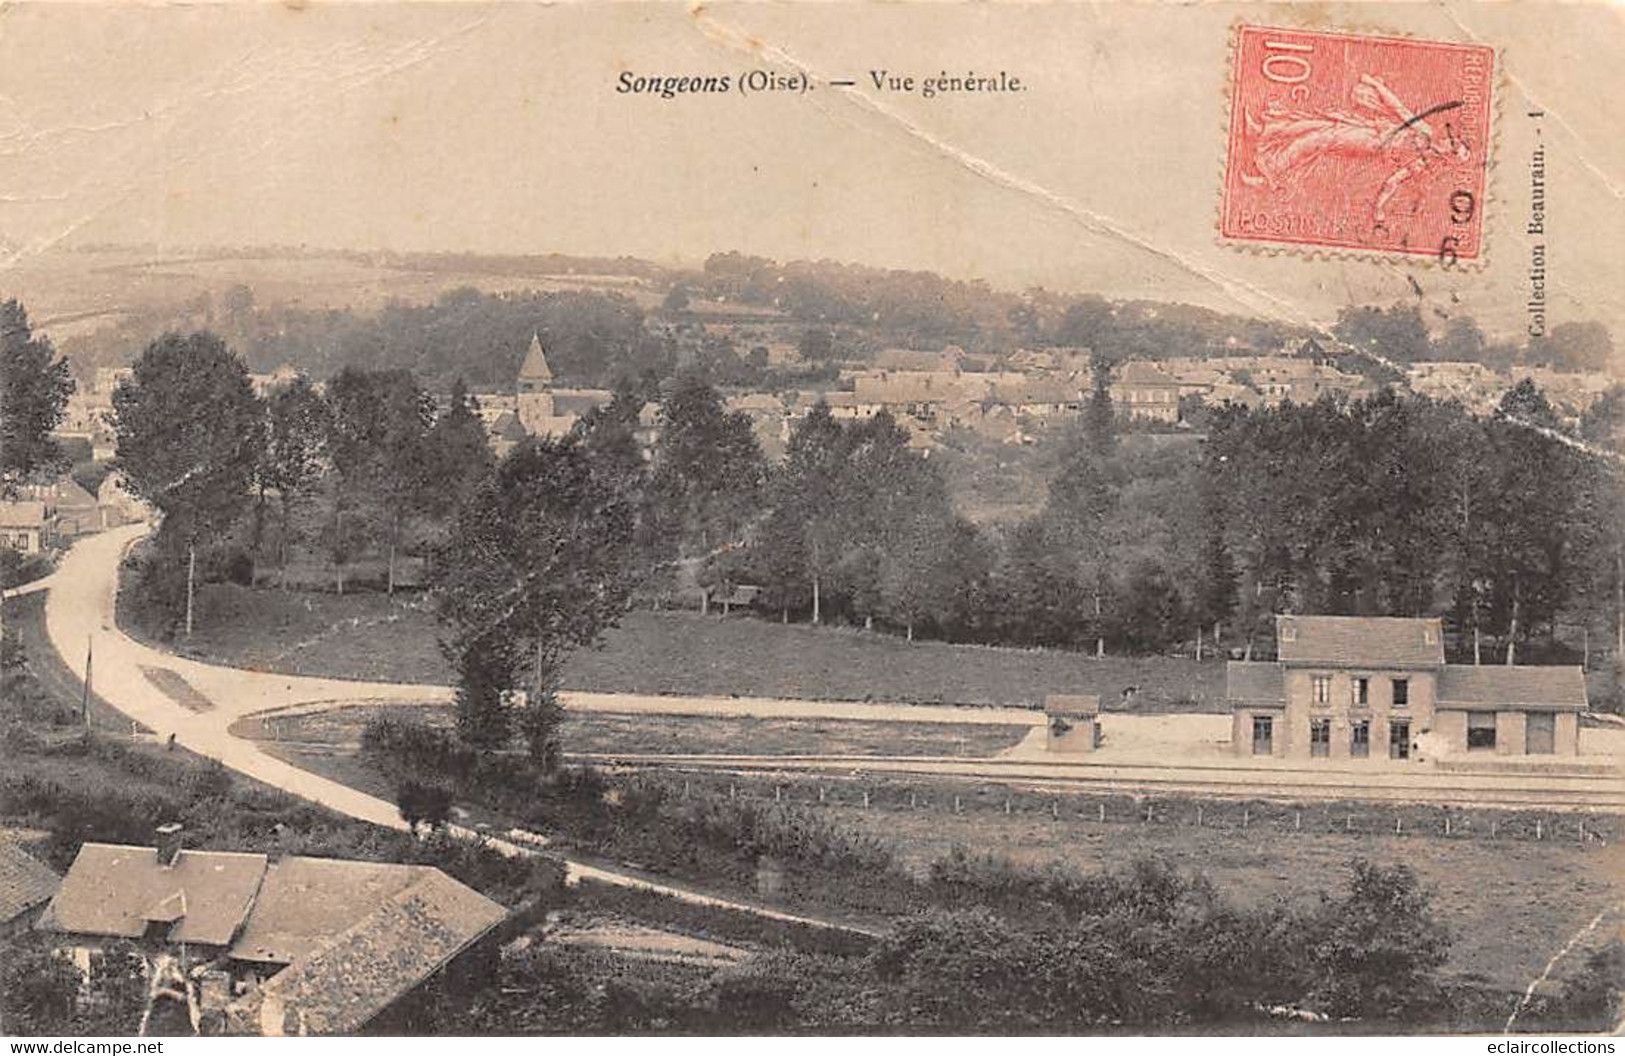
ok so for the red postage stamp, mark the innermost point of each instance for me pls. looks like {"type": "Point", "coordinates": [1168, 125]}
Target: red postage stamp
{"type": "Point", "coordinates": [1358, 142]}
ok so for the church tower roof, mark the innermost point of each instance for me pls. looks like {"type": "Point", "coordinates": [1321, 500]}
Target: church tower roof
{"type": "Point", "coordinates": [535, 368]}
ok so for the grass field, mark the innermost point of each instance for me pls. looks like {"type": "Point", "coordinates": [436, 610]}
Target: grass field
{"type": "Point", "coordinates": [374, 637]}
{"type": "Point", "coordinates": [637, 734]}
{"type": "Point", "coordinates": [1510, 905]}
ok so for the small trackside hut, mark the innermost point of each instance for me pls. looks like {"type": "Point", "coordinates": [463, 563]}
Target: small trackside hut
{"type": "Point", "coordinates": [1074, 723]}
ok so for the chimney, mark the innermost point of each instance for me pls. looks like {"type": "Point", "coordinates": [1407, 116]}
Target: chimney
{"type": "Point", "coordinates": [171, 838]}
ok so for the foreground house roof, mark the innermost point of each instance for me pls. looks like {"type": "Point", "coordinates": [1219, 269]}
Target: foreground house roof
{"type": "Point", "coordinates": [303, 902]}
{"type": "Point", "coordinates": [1520, 686]}
{"type": "Point", "coordinates": [341, 987]}
{"type": "Point", "coordinates": [115, 890]}
{"type": "Point", "coordinates": [1359, 641]}
{"type": "Point", "coordinates": [25, 881]}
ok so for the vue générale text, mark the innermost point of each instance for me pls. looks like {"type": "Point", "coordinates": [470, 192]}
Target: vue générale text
{"type": "Point", "coordinates": [762, 81]}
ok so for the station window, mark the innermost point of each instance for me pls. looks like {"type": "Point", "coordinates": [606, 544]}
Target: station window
{"type": "Point", "coordinates": [1360, 739]}
{"type": "Point", "coordinates": [1360, 692]}
{"type": "Point", "coordinates": [1402, 692]}
{"type": "Point", "coordinates": [1320, 736]}
{"type": "Point", "coordinates": [1481, 729]}
{"type": "Point", "coordinates": [1322, 688]}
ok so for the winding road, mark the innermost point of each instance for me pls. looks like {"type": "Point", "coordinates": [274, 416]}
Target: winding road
{"type": "Point", "coordinates": [196, 703]}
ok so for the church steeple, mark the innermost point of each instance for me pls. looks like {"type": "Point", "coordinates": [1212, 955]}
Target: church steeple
{"type": "Point", "coordinates": [534, 373]}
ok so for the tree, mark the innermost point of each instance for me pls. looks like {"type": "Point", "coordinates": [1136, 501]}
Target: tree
{"type": "Point", "coordinates": [34, 391]}
{"type": "Point", "coordinates": [1461, 342]}
{"type": "Point", "coordinates": [379, 444]}
{"type": "Point", "coordinates": [817, 344]}
{"type": "Point", "coordinates": [486, 670]}
{"type": "Point", "coordinates": [190, 431]}
{"type": "Point", "coordinates": [707, 471]}
{"type": "Point", "coordinates": [459, 455]}
{"type": "Point", "coordinates": [541, 554]}
{"type": "Point", "coordinates": [1376, 951]}
{"type": "Point", "coordinates": [1216, 590]}
{"type": "Point", "coordinates": [1394, 334]}
{"type": "Point", "coordinates": [295, 456]}
{"type": "Point", "coordinates": [1578, 347]}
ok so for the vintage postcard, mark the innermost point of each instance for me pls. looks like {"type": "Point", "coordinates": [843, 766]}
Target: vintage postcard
{"type": "Point", "coordinates": [820, 519]}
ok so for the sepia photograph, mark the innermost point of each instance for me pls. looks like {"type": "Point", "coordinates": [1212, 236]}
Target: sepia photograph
{"type": "Point", "coordinates": [812, 518]}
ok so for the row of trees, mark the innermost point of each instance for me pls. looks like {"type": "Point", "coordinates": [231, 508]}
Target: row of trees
{"type": "Point", "coordinates": [370, 456]}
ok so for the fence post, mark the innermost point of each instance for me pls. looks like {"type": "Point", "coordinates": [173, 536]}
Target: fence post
{"type": "Point", "coordinates": [1103, 812]}
{"type": "Point", "coordinates": [1148, 809]}
{"type": "Point", "coordinates": [956, 804]}
{"type": "Point", "coordinates": [913, 799]}
{"type": "Point", "coordinates": [820, 793]}
{"type": "Point", "coordinates": [685, 788]}
{"type": "Point", "coordinates": [1538, 827]}
{"type": "Point", "coordinates": [1447, 823]}
{"type": "Point", "coordinates": [778, 794]}
{"type": "Point", "coordinates": [866, 799]}
{"type": "Point", "coordinates": [1494, 826]}
{"type": "Point", "coordinates": [1055, 809]}
{"type": "Point", "coordinates": [1007, 804]}
{"type": "Point", "coordinates": [1348, 823]}
{"type": "Point", "coordinates": [1198, 815]}
{"type": "Point", "coordinates": [732, 790]}
{"type": "Point", "coordinates": [1581, 835]}
{"type": "Point", "coordinates": [1398, 825]}
{"type": "Point", "coordinates": [1246, 817]}
{"type": "Point", "coordinates": [1297, 821]}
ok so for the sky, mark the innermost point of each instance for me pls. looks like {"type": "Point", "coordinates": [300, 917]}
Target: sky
{"type": "Point", "coordinates": [497, 128]}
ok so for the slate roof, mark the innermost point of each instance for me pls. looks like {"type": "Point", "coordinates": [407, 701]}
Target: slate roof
{"type": "Point", "coordinates": [369, 966]}
{"type": "Point", "coordinates": [116, 890]}
{"type": "Point", "coordinates": [1559, 688]}
{"type": "Point", "coordinates": [1072, 704]}
{"type": "Point", "coordinates": [535, 367]}
{"type": "Point", "coordinates": [1359, 641]}
{"type": "Point", "coordinates": [580, 401]}
{"type": "Point", "coordinates": [25, 881]}
{"type": "Point", "coordinates": [1255, 681]}
{"type": "Point", "coordinates": [1139, 372]}
{"type": "Point", "coordinates": [303, 902]}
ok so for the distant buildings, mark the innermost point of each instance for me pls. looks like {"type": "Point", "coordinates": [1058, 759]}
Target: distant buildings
{"type": "Point", "coordinates": [1348, 687]}
{"type": "Point", "coordinates": [1144, 390]}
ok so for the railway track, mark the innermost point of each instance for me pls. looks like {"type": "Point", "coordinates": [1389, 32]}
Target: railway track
{"type": "Point", "coordinates": [1508, 791]}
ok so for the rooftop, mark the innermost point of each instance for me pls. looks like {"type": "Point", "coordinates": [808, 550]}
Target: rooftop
{"type": "Point", "coordinates": [366, 968]}
{"type": "Point", "coordinates": [25, 881]}
{"type": "Point", "coordinates": [22, 514]}
{"type": "Point", "coordinates": [1359, 641]}
{"type": "Point", "coordinates": [1523, 686]}
{"type": "Point", "coordinates": [1255, 681]}
{"type": "Point", "coordinates": [535, 367]}
{"type": "Point", "coordinates": [303, 902]}
{"type": "Point", "coordinates": [115, 890]}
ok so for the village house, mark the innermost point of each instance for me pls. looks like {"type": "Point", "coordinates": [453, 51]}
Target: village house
{"type": "Point", "coordinates": [1144, 390]}
{"type": "Point", "coordinates": [72, 507]}
{"type": "Point", "coordinates": [297, 946]}
{"type": "Point", "coordinates": [25, 525]}
{"type": "Point", "coordinates": [1350, 687]}
{"type": "Point", "coordinates": [27, 885]}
